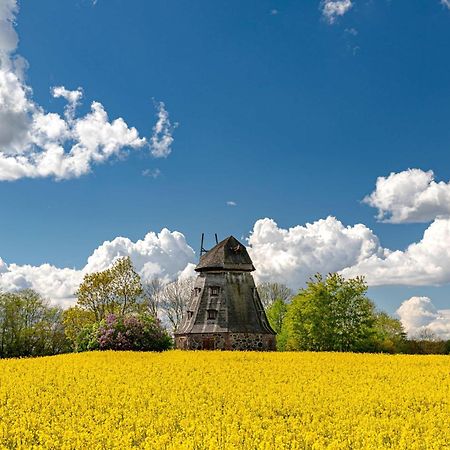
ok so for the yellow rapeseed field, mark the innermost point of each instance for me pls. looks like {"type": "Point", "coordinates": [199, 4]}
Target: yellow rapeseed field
{"type": "Point", "coordinates": [225, 400]}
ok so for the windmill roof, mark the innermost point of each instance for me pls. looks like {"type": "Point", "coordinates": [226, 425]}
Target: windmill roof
{"type": "Point", "coordinates": [228, 254]}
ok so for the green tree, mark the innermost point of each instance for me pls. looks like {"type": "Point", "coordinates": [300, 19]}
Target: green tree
{"type": "Point", "coordinates": [276, 314]}
{"type": "Point", "coordinates": [126, 285]}
{"type": "Point", "coordinates": [95, 294]}
{"type": "Point", "coordinates": [76, 321]}
{"type": "Point", "coordinates": [389, 334]}
{"type": "Point", "coordinates": [116, 290]}
{"type": "Point", "coordinates": [447, 347]}
{"type": "Point", "coordinates": [30, 326]}
{"type": "Point", "coordinates": [426, 342]}
{"type": "Point", "coordinates": [49, 335]}
{"type": "Point", "coordinates": [330, 314]}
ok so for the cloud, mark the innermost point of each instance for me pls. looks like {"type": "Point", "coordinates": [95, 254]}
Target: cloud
{"type": "Point", "coordinates": [73, 99]}
{"type": "Point", "coordinates": [165, 255]}
{"type": "Point", "coordinates": [410, 196]}
{"type": "Point", "coordinates": [38, 144]}
{"type": "Point", "coordinates": [332, 9]}
{"type": "Point", "coordinates": [418, 314]}
{"type": "Point", "coordinates": [289, 256]}
{"type": "Point", "coordinates": [292, 255]}
{"type": "Point", "coordinates": [161, 140]}
{"type": "Point", "coordinates": [274, 12]}
{"type": "Point", "coordinates": [351, 31]}
{"type": "Point", "coordinates": [3, 266]}
{"type": "Point", "coordinates": [188, 272]}
{"type": "Point", "coordinates": [446, 3]}
{"type": "Point", "coordinates": [426, 262]}
{"type": "Point", "coordinates": [8, 36]}
{"type": "Point", "coordinates": [58, 285]}
{"type": "Point", "coordinates": [151, 173]}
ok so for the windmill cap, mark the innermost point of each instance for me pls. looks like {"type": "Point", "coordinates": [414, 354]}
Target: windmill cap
{"type": "Point", "coordinates": [228, 254]}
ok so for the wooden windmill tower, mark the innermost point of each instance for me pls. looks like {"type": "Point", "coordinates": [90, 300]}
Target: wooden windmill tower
{"type": "Point", "coordinates": [225, 311]}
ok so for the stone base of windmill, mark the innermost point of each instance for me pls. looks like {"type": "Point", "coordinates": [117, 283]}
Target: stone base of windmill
{"type": "Point", "coordinates": [225, 341]}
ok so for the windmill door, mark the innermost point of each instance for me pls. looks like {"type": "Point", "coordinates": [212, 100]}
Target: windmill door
{"type": "Point", "coordinates": [208, 343]}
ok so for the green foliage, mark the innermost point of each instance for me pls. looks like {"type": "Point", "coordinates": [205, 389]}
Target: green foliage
{"type": "Point", "coordinates": [427, 343]}
{"type": "Point", "coordinates": [77, 322]}
{"type": "Point", "coordinates": [331, 314]}
{"type": "Point", "coordinates": [447, 348]}
{"type": "Point", "coordinates": [389, 335]}
{"type": "Point", "coordinates": [87, 338]}
{"type": "Point", "coordinates": [111, 313]}
{"type": "Point", "coordinates": [276, 314]}
{"type": "Point", "coordinates": [80, 328]}
{"type": "Point", "coordinates": [29, 326]}
{"type": "Point", "coordinates": [126, 286]}
{"type": "Point", "coordinates": [116, 290]}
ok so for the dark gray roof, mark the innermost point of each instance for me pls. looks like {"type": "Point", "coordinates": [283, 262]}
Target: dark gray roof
{"type": "Point", "coordinates": [229, 254]}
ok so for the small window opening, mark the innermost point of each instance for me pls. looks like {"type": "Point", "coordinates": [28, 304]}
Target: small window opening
{"type": "Point", "coordinates": [197, 291]}
{"type": "Point", "coordinates": [214, 290]}
{"type": "Point", "coordinates": [190, 314]}
{"type": "Point", "coordinates": [212, 314]}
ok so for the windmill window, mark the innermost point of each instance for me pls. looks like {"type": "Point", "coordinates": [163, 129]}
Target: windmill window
{"type": "Point", "coordinates": [190, 314]}
{"type": "Point", "coordinates": [197, 291]}
{"type": "Point", "coordinates": [212, 314]}
{"type": "Point", "coordinates": [214, 290]}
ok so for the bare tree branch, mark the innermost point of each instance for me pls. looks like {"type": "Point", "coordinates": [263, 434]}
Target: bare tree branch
{"type": "Point", "coordinates": [269, 292]}
{"type": "Point", "coordinates": [175, 298]}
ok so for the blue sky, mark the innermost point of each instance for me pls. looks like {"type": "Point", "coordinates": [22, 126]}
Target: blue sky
{"type": "Point", "coordinates": [289, 115]}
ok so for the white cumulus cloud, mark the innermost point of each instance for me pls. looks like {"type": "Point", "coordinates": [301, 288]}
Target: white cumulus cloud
{"type": "Point", "coordinates": [418, 314]}
{"type": "Point", "coordinates": [36, 144]}
{"type": "Point", "coordinates": [58, 285]}
{"type": "Point", "coordinates": [446, 3]}
{"type": "Point", "coordinates": [292, 255]}
{"type": "Point", "coordinates": [332, 9]}
{"type": "Point", "coordinates": [73, 99]}
{"type": "Point", "coordinates": [289, 256]}
{"type": "Point", "coordinates": [410, 196]}
{"type": "Point", "coordinates": [162, 137]}
{"type": "Point", "coordinates": [3, 266]}
{"type": "Point", "coordinates": [8, 36]}
{"type": "Point", "coordinates": [422, 263]}
{"type": "Point", "coordinates": [165, 255]}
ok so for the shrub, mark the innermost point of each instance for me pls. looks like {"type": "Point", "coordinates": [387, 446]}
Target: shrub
{"type": "Point", "coordinates": [87, 338]}
{"type": "Point", "coordinates": [132, 332]}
